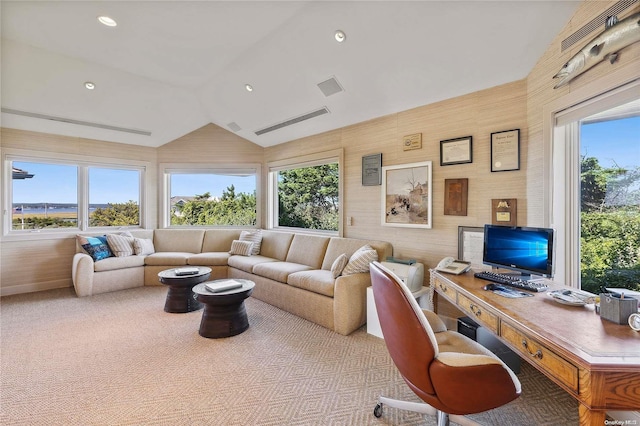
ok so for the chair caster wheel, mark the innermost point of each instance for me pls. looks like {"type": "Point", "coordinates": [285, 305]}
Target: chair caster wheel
{"type": "Point", "coordinates": [377, 411]}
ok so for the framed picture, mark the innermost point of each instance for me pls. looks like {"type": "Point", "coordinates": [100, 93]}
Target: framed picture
{"type": "Point", "coordinates": [456, 151]}
{"type": "Point", "coordinates": [470, 244]}
{"type": "Point", "coordinates": [504, 211]}
{"type": "Point", "coordinates": [406, 195]}
{"type": "Point", "coordinates": [505, 150]}
{"type": "Point", "coordinates": [455, 196]}
{"type": "Point", "coordinates": [372, 169]}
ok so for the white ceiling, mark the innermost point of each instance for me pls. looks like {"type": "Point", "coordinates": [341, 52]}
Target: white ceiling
{"type": "Point", "coordinates": [170, 67]}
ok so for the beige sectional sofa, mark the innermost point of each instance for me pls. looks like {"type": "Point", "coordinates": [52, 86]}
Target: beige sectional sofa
{"type": "Point", "coordinates": [292, 271]}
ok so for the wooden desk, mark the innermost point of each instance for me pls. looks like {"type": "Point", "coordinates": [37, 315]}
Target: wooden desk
{"type": "Point", "coordinates": [596, 361]}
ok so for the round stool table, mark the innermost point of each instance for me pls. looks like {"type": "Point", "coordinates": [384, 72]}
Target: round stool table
{"type": "Point", "coordinates": [224, 313]}
{"type": "Point", "coordinates": [180, 297]}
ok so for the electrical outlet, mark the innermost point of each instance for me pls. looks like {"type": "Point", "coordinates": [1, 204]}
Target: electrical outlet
{"type": "Point", "coordinates": [349, 220]}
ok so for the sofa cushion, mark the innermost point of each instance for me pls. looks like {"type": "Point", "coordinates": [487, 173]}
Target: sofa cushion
{"type": "Point", "coordinates": [279, 271]}
{"type": "Point", "coordinates": [338, 265]}
{"type": "Point", "coordinates": [120, 245]}
{"type": "Point", "coordinates": [209, 259]}
{"type": "Point", "coordinates": [143, 246]}
{"type": "Point", "coordinates": [178, 240]}
{"type": "Point", "coordinates": [275, 244]}
{"type": "Point", "coordinates": [246, 263]}
{"type": "Point", "coordinates": [167, 258]}
{"type": "Point", "coordinates": [316, 280]}
{"type": "Point", "coordinates": [338, 245]}
{"type": "Point", "coordinates": [254, 237]}
{"type": "Point", "coordinates": [307, 250]}
{"type": "Point", "coordinates": [218, 240]}
{"type": "Point", "coordinates": [241, 248]}
{"type": "Point", "coordinates": [96, 247]}
{"type": "Point", "coordinates": [112, 263]}
{"type": "Point", "coordinates": [360, 260]}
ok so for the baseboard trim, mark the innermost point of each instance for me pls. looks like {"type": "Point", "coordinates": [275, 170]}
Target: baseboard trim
{"type": "Point", "coordinates": [31, 288]}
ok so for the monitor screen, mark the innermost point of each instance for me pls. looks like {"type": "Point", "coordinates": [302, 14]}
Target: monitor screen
{"type": "Point", "coordinates": [526, 250]}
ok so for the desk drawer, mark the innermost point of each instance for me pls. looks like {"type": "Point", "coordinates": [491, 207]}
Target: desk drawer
{"type": "Point", "coordinates": [443, 289]}
{"type": "Point", "coordinates": [563, 370]}
{"type": "Point", "coordinates": [482, 315]}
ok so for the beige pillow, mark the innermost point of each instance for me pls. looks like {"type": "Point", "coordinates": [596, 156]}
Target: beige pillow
{"type": "Point", "coordinates": [338, 265]}
{"type": "Point", "coordinates": [242, 248]}
{"type": "Point", "coordinates": [120, 245]}
{"type": "Point", "coordinates": [143, 246]}
{"type": "Point", "coordinates": [360, 260]}
{"type": "Point", "coordinates": [253, 236]}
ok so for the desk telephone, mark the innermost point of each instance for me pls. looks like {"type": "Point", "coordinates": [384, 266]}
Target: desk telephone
{"type": "Point", "coordinates": [453, 266]}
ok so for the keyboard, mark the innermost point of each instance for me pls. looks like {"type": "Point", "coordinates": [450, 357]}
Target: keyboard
{"type": "Point", "coordinates": [511, 281]}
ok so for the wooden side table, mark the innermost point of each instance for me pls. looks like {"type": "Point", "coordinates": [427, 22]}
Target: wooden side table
{"type": "Point", "coordinates": [224, 313]}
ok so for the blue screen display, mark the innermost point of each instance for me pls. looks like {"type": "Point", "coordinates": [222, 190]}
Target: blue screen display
{"type": "Point", "coordinates": [527, 250]}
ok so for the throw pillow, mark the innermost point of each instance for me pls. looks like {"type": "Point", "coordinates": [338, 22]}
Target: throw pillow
{"type": "Point", "coordinates": [255, 237]}
{"type": "Point", "coordinates": [143, 246]}
{"type": "Point", "coordinates": [96, 247]}
{"type": "Point", "coordinates": [338, 265]}
{"type": "Point", "coordinates": [360, 260]}
{"type": "Point", "coordinates": [120, 245]}
{"type": "Point", "coordinates": [243, 248]}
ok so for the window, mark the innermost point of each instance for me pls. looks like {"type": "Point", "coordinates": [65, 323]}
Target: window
{"type": "Point", "coordinates": [596, 191]}
{"type": "Point", "coordinates": [52, 195]}
{"type": "Point", "coordinates": [306, 195]}
{"type": "Point", "coordinates": [211, 197]}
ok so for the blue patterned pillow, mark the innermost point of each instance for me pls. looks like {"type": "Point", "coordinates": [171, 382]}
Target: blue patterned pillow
{"type": "Point", "coordinates": [96, 247]}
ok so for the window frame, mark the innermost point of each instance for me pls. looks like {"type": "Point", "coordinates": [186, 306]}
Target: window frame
{"type": "Point", "coordinates": [309, 160]}
{"type": "Point", "coordinates": [164, 178]}
{"type": "Point", "coordinates": [83, 163]}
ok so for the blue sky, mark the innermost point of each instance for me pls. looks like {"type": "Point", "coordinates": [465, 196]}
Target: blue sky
{"type": "Point", "coordinates": [610, 141]}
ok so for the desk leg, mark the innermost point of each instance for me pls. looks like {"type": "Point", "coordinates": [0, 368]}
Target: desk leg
{"type": "Point", "coordinates": [590, 417]}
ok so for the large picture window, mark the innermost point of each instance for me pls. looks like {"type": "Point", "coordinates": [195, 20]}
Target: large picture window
{"type": "Point", "coordinates": [210, 197]}
{"type": "Point", "coordinates": [67, 195]}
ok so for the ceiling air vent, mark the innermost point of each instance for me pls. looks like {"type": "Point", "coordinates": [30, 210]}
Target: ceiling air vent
{"type": "Point", "coordinates": [234, 127]}
{"type": "Point", "coordinates": [319, 112]}
{"type": "Point", "coordinates": [77, 122]}
{"type": "Point", "coordinates": [330, 87]}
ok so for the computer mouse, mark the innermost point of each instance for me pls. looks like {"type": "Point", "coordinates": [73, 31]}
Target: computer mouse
{"type": "Point", "coordinates": [491, 286]}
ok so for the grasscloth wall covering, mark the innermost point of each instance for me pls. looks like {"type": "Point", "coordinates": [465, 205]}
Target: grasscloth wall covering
{"type": "Point", "coordinates": [515, 105]}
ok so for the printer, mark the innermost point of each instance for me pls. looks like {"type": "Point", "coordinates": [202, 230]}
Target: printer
{"type": "Point", "coordinates": [412, 275]}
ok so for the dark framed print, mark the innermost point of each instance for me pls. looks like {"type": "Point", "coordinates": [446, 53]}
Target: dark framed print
{"type": "Point", "coordinates": [456, 196]}
{"type": "Point", "coordinates": [505, 150]}
{"type": "Point", "coordinates": [372, 169]}
{"type": "Point", "coordinates": [456, 151]}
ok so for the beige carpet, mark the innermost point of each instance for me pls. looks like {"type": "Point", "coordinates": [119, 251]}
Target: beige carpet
{"type": "Point", "coordinates": [119, 359]}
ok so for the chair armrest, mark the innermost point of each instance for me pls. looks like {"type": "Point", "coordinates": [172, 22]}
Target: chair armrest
{"type": "Point", "coordinates": [82, 274]}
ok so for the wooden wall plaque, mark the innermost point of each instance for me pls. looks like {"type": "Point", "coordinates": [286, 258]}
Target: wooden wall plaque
{"type": "Point", "coordinates": [455, 196]}
{"type": "Point", "coordinates": [504, 211]}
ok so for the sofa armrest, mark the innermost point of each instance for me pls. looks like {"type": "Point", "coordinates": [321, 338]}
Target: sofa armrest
{"type": "Point", "coordinates": [82, 274]}
{"type": "Point", "coordinates": [350, 302]}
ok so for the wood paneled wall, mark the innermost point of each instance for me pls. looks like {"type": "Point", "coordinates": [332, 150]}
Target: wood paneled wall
{"type": "Point", "coordinates": [515, 105]}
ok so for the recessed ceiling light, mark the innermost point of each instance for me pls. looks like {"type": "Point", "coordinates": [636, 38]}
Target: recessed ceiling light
{"type": "Point", "coordinates": [340, 36]}
{"type": "Point", "coordinates": [105, 20]}
{"type": "Point", "coordinates": [248, 87]}
{"type": "Point", "coordinates": [89, 85]}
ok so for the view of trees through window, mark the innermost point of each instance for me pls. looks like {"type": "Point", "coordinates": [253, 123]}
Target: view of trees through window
{"type": "Point", "coordinates": [214, 199]}
{"type": "Point", "coordinates": [45, 196]}
{"type": "Point", "coordinates": [610, 204]}
{"type": "Point", "coordinates": [308, 197]}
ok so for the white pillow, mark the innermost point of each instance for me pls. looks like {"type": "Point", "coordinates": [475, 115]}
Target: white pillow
{"type": "Point", "coordinates": [143, 246]}
{"type": "Point", "coordinates": [360, 260]}
{"type": "Point", "coordinates": [338, 265]}
{"type": "Point", "coordinates": [253, 236]}
{"type": "Point", "coordinates": [120, 245]}
{"type": "Point", "coordinates": [242, 248]}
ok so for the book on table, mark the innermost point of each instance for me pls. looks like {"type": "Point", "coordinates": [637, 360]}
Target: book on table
{"type": "Point", "coordinates": [186, 271]}
{"type": "Point", "coordinates": [222, 285]}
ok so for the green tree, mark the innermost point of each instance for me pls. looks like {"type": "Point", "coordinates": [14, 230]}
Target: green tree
{"type": "Point", "coordinates": [309, 197]}
{"type": "Point", "coordinates": [116, 214]}
{"type": "Point", "coordinates": [232, 209]}
{"type": "Point", "coordinates": [594, 180]}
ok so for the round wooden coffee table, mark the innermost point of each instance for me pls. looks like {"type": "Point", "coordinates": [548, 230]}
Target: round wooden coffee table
{"type": "Point", "coordinates": [224, 313]}
{"type": "Point", "coordinates": [180, 297]}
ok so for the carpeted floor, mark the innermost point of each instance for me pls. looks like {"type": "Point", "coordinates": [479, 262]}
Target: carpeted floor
{"type": "Point", "coordinates": [119, 359]}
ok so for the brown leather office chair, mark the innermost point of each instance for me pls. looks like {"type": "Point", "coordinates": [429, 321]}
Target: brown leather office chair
{"type": "Point", "coordinates": [451, 373]}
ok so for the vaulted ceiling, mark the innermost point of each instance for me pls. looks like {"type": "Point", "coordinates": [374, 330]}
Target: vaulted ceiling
{"type": "Point", "coordinates": [170, 67]}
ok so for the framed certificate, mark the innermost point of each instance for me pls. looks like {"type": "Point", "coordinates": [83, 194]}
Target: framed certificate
{"type": "Point", "coordinates": [372, 170]}
{"type": "Point", "coordinates": [456, 151]}
{"type": "Point", "coordinates": [505, 150]}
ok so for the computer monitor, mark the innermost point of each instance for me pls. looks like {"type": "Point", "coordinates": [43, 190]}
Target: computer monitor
{"type": "Point", "coordinates": [529, 251]}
